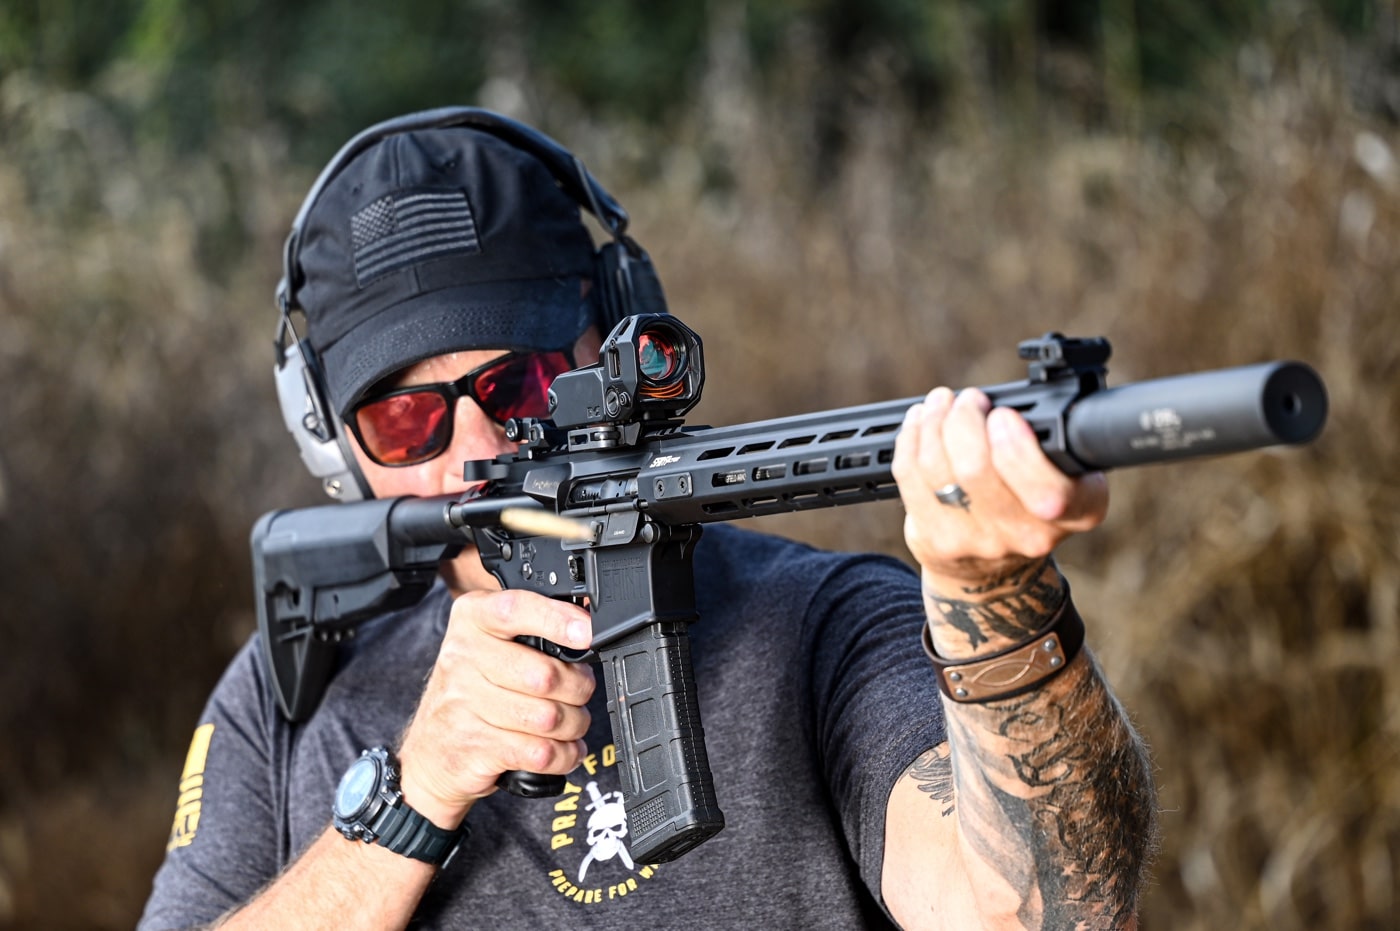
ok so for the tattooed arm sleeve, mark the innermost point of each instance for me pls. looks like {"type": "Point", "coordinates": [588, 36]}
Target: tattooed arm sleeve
{"type": "Point", "coordinates": [1045, 797]}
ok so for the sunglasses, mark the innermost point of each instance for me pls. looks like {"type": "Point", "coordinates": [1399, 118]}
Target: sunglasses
{"type": "Point", "coordinates": [407, 426]}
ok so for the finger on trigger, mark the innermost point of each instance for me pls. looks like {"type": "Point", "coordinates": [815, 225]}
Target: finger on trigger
{"type": "Point", "coordinates": [514, 613]}
{"type": "Point", "coordinates": [578, 628]}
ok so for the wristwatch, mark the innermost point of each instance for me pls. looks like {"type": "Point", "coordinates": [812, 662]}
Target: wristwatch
{"type": "Point", "coordinates": [369, 806]}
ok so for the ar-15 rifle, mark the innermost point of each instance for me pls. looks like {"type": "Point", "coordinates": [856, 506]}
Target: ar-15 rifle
{"type": "Point", "coordinates": [616, 462]}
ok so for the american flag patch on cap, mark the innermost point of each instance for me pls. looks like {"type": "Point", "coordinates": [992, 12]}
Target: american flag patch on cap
{"type": "Point", "coordinates": [408, 227]}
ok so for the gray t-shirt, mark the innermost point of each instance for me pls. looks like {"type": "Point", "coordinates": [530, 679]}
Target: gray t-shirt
{"type": "Point", "coordinates": [815, 695]}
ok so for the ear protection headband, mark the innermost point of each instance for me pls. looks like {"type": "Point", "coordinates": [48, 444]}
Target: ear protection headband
{"type": "Point", "coordinates": [624, 282]}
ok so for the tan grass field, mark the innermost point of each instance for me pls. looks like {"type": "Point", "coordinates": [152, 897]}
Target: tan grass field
{"type": "Point", "coordinates": [1247, 609]}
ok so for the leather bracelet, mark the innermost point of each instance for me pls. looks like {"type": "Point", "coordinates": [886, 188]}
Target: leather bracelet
{"type": "Point", "coordinates": [1015, 670]}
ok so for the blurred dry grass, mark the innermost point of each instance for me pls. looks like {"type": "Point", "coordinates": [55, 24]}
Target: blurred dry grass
{"type": "Point", "coordinates": [1246, 608]}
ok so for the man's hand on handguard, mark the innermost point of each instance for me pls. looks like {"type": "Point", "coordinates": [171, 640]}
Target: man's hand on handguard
{"type": "Point", "coordinates": [1016, 505]}
{"type": "Point", "coordinates": [1033, 814]}
{"type": "Point", "coordinates": [493, 705]}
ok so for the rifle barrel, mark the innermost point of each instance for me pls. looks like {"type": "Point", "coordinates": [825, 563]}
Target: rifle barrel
{"type": "Point", "coordinates": [1203, 414]}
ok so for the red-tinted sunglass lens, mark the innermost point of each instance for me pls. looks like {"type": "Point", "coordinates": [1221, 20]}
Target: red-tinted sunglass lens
{"type": "Point", "coordinates": [404, 428]}
{"type": "Point", "coordinates": [519, 385]}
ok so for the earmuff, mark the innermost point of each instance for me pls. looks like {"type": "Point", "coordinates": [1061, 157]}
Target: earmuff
{"type": "Point", "coordinates": [625, 283]}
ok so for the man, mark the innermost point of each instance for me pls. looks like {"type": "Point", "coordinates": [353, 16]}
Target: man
{"type": "Point", "coordinates": [855, 790]}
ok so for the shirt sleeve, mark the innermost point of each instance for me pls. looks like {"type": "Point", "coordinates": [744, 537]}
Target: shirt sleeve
{"type": "Point", "coordinates": [226, 839]}
{"type": "Point", "coordinates": [875, 704]}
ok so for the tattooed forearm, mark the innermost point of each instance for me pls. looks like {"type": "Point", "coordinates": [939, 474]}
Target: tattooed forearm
{"type": "Point", "coordinates": [1034, 593]}
{"type": "Point", "coordinates": [1013, 576]}
{"type": "Point", "coordinates": [1054, 795]}
{"type": "Point", "coordinates": [933, 771]}
{"type": "Point", "coordinates": [1052, 788]}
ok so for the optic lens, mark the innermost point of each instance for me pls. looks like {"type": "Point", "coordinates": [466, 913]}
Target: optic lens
{"type": "Point", "coordinates": [658, 355]}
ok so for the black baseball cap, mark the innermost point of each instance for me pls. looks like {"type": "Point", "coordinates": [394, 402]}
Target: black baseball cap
{"type": "Point", "coordinates": [436, 241]}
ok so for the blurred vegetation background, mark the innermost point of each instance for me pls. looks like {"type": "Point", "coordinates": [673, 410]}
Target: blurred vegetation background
{"type": "Point", "coordinates": [851, 201]}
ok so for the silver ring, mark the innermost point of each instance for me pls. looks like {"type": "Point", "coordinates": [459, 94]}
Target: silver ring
{"type": "Point", "coordinates": [953, 496]}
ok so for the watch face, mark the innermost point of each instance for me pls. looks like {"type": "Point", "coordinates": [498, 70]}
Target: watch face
{"type": "Point", "coordinates": [356, 788]}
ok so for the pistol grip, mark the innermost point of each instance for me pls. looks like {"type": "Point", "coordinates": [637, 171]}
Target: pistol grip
{"type": "Point", "coordinates": [655, 716]}
{"type": "Point", "coordinates": [539, 785]}
{"type": "Point", "coordinates": [531, 785]}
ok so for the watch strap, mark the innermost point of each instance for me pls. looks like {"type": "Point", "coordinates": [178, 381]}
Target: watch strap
{"type": "Point", "coordinates": [406, 832]}
{"type": "Point", "coordinates": [393, 824]}
{"type": "Point", "coordinates": [1015, 670]}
